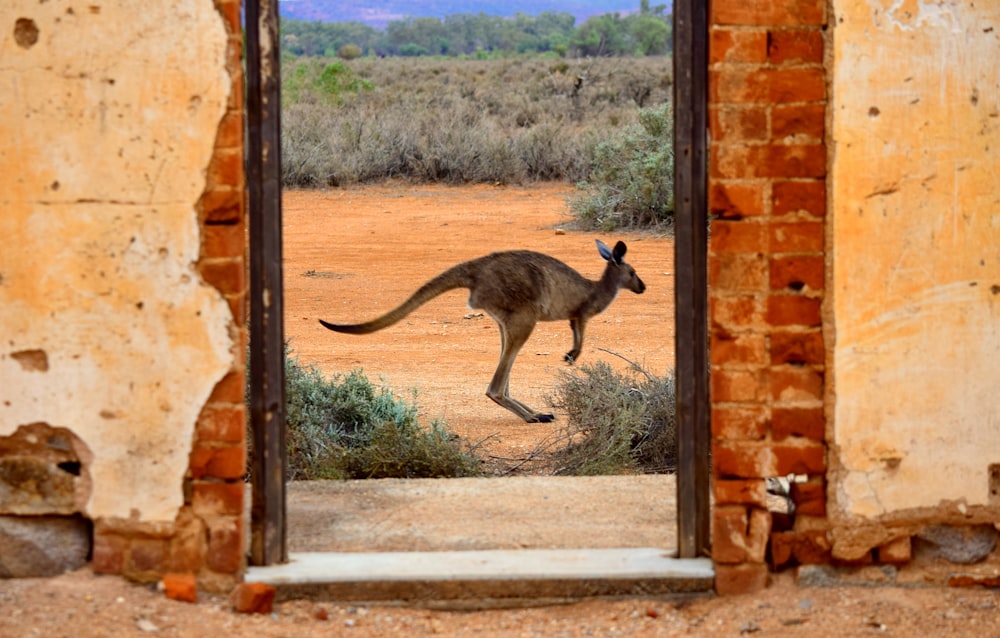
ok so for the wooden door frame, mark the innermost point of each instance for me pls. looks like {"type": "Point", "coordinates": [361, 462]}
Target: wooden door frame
{"type": "Point", "coordinates": [267, 366]}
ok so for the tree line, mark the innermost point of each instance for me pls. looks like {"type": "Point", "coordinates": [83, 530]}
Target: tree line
{"type": "Point", "coordinates": [646, 32]}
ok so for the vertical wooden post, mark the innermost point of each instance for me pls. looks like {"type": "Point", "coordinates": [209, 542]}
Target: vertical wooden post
{"type": "Point", "coordinates": [691, 285]}
{"type": "Point", "coordinates": [267, 364]}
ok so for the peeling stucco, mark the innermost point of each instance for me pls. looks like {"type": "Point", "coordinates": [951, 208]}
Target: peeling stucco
{"type": "Point", "coordinates": [106, 143]}
{"type": "Point", "coordinates": [915, 199]}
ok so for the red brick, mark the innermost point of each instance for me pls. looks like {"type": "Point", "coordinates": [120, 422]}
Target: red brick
{"type": "Point", "coordinates": [222, 424]}
{"type": "Point", "coordinates": [807, 458]}
{"type": "Point", "coordinates": [225, 545]}
{"type": "Point", "coordinates": [809, 498]}
{"type": "Point", "coordinates": [798, 348]}
{"type": "Point", "coordinates": [253, 598]}
{"type": "Point", "coordinates": [736, 313]}
{"type": "Point", "coordinates": [230, 10]}
{"type": "Point", "coordinates": [108, 554]}
{"type": "Point", "coordinates": [799, 121]}
{"type": "Point", "coordinates": [748, 423]}
{"type": "Point", "coordinates": [896, 552]}
{"type": "Point", "coordinates": [223, 240]}
{"type": "Point", "coordinates": [795, 46]}
{"type": "Point", "coordinates": [796, 237]}
{"type": "Point", "coordinates": [225, 169]}
{"type": "Point", "coordinates": [238, 308]}
{"type": "Point", "coordinates": [737, 46]}
{"type": "Point", "coordinates": [796, 385]}
{"type": "Point", "coordinates": [181, 587]}
{"type": "Point", "coordinates": [736, 201]}
{"type": "Point", "coordinates": [230, 131]}
{"type": "Point", "coordinates": [738, 124]}
{"type": "Point", "coordinates": [797, 272]}
{"type": "Point", "coordinates": [805, 422]}
{"type": "Point", "coordinates": [810, 547]}
{"type": "Point", "coordinates": [221, 205]}
{"type": "Point", "coordinates": [729, 528]}
{"type": "Point", "coordinates": [739, 535]}
{"type": "Point", "coordinates": [794, 310]}
{"type": "Point", "coordinates": [738, 273]}
{"type": "Point", "coordinates": [745, 349]}
{"type": "Point", "coordinates": [189, 543]}
{"type": "Point", "coordinates": [743, 460]}
{"type": "Point", "coordinates": [228, 275]}
{"type": "Point", "coordinates": [217, 499]}
{"type": "Point", "coordinates": [738, 85]}
{"type": "Point", "coordinates": [768, 160]}
{"type": "Point", "coordinates": [738, 237]}
{"type": "Point", "coordinates": [731, 580]}
{"type": "Point", "coordinates": [746, 386]}
{"type": "Point", "coordinates": [227, 462]}
{"type": "Point", "coordinates": [803, 196]}
{"type": "Point", "coordinates": [148, 555]}
{"type": "Point", "coordinates": [740, 492]}
{"type": "Point", "coordinates": [231, 388]}
{"type": "Point", "coordinates": [768, 12]}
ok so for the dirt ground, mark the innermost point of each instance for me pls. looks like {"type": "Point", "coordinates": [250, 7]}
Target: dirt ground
{"type": "Point", "coordinates": [352, 254]}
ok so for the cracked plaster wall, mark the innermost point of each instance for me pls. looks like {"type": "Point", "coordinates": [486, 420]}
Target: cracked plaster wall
{"type": "Point", "coordinates": [915, 198]}
{"type": "Point", "coordinates": [108, 115]}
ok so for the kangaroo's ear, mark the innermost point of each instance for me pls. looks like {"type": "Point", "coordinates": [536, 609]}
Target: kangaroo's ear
{"type": "Point", "coordinates": [604, 250]}
{"type": "Point", "coordinates": [619, 253]}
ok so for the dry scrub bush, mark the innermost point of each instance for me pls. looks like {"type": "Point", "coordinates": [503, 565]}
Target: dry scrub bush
{"type": "Point", "coordinates": [346, 427]}
{"type": "Point", "coordinates": [617, 422]}
{"type": "Point", "coordinates": [458, 121]}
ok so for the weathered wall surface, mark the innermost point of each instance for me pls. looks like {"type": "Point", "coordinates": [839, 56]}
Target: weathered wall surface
{"type": "Point", "coordinates": [108, 116]}
{"type": "Point", "coordinates": [915, 196]}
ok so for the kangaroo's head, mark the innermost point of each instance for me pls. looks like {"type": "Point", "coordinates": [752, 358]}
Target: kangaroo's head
{"type": "Point", "coordinates": [617, 272]}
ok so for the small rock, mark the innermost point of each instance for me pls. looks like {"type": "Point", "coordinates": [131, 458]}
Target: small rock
{"type": "Point", "coordinates": [749, 627]}
{"type": "Point", "coordinates": [146, 625]}
{"type": "Point", "coordinates": [253, 598]}
{"type": "Point", "coordinates": [957, 544]}
{"type": "Point", "coordinates": [42, 545]}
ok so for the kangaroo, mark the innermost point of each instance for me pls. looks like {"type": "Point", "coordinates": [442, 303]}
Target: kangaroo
{"type": "Point", "coordinates": [519, 288]}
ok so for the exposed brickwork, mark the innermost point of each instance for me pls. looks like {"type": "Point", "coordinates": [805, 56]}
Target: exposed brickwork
{"type": "Point", "coordinates": [206, 541]}
{"type": "Point", "coordinates": [768, 163]}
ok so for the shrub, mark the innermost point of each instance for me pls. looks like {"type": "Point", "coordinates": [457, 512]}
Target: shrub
{"type": "Point", "coordinates": [632, 182]}
{"type": "Point", "coordinates": [349, 52]}
{"type": "Point", "coordinates": [617, 422]}
{"type": "Point", "coordinates": [346, 427]}
{"type": "Point", "coordinates": [499, 120]}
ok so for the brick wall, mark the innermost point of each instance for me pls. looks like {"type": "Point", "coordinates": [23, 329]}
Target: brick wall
{"type": "Point", "coordinates": [208, 537]}
{"type": "Point", "coordinates": [768, 161]}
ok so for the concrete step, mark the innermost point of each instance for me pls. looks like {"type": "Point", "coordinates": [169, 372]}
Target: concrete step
{"type": "Point", "coordinates": [485, 577]}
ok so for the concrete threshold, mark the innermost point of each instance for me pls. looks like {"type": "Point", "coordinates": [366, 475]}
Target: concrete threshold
{"type": "Point", "coordinates": [500, 577]}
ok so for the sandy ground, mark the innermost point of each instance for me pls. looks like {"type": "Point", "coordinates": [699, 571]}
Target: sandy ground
{"type": "Point", "coordinates": [352, 254]}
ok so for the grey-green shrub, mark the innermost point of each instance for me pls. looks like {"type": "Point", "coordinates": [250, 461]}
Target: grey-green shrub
{"type": "Point", "coordinates": [616, 422]}
{"type": "Point", "coordinates": [346, 427]}
{"type": "Point", "coordinates": [631, 183]}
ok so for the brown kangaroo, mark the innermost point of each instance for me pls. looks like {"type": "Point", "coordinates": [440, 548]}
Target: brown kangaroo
{"type": "Point", "coordinates": [519, 288]}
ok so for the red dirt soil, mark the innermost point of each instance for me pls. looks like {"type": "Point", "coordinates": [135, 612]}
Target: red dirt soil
{"type": "Point", "coordinates": [353, 254]}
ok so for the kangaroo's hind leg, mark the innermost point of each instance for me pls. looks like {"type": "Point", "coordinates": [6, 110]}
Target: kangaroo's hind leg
{"type": "Point", "coordinates": [514, 332]}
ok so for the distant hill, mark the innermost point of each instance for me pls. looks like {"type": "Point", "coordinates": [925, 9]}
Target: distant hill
{"type": "Point", "coordinates": [378, 14]}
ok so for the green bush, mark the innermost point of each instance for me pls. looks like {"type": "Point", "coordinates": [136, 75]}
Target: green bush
{"type": "Point", "coordinates": [617, 422]}
{"type": "Point", "coordinates": [632, 181]}
{"type": "Point", "coordinates": [346, 427]}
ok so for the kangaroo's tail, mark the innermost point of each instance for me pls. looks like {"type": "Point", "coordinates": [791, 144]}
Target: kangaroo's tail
{"type": "Point", "coordinates": [455, 277]}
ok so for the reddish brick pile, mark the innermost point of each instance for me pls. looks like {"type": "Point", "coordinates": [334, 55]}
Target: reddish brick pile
{"type": "Point", "coordinates": [207, 539]}
{"type": "Point", "coordinates": [767, 109]}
